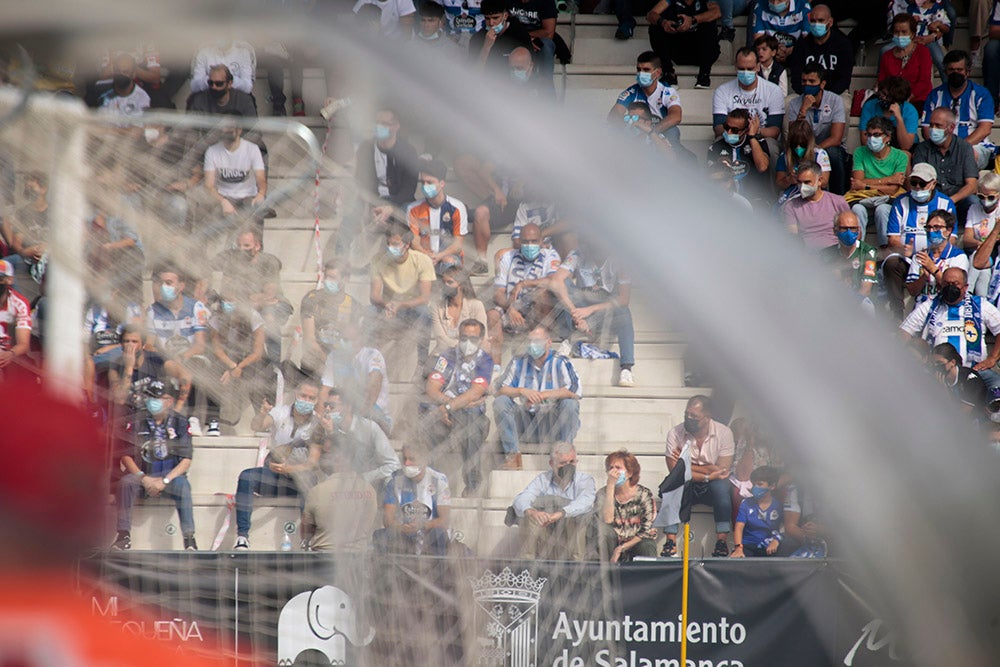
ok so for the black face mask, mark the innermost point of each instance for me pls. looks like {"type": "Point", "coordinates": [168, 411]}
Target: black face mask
{"type": "Point", "coordinates": [217, 93]}
{"type": "Point", "coordinates": [122, 82]}
{"type": "Point", "coordinates": [566, 472]}
{"type": "Point", "coordinates": [956, 80]}
{"type": "Point", "coordinates": [691, 426]}
{"type": "Point", "coordinates": [449, 290]}
{"type": "Point", "coordinates": [229, 137]}
{"type": "Point", "coordinates": [884, 102]}
{"type": "Point", "coordinates": [951, 294]}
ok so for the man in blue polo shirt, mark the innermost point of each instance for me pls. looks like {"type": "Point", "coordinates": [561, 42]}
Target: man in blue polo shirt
{"type": "Point", "coordinates": [971, 103]}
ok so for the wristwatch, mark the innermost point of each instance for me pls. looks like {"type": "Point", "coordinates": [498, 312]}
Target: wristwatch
{"type": "Point", "coordinates": [447, 407]}
{"type": "Point", "coordinates": [166, 480]}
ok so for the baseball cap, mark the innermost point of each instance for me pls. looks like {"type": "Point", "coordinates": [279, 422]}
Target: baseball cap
{"type": "Point", "coordinates": [155, 389]}
{"type": "Point", "coordinates": [924, 172]}
{"type": "Point", "coordinates": [6, 268]}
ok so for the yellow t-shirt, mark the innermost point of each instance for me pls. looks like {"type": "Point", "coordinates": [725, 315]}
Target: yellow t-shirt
{"type": "Point", "coordinates": [400, 281]}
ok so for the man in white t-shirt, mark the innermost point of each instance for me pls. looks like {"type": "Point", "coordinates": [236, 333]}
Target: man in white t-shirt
{"type": "Point", "coordinates": [752, 92]}
{"type": "Point", "coordinates": [238, 56]}
{"type": "Point", "coordinates": [397, 16]}
{"type": "Point", "coordinates": [234, 172]}
{"type": "Point", "coordinates": [125, 97]}
{"type": "Point", "coordinates": [360, 373]}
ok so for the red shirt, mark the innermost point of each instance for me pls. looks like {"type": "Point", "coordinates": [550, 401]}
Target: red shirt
{"type": "Point", "coordinates": [917, 71]}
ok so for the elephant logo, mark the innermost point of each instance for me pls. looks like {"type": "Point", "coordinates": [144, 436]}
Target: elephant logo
{"type": "Point", "coordinates": [323, 620]}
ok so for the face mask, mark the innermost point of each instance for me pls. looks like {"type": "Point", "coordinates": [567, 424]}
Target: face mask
{"type": "Point", "coordinates": [498, 28]}
{"type": "Point", "coordinates": [331, 286]}
{"type": "Point", "coordinates": [902, 41]}
{"type": "Point", "coordinates": [884, 102]}
{"type": "Point", "coordinates": [467, 348]}
{"type": "Point", "coordinates": [229, 137]}
{"type": "Point", "coordinates": [395, 251]}
{"type": "Point", "coordinates": [810, 90]}
{"type": "Point", "coordinates": [411, 471]}
{"type": "Point", "coordinates": [519, 75]}
{"type": "Point", "coordinates": [731, 139]}
{"type": "Point", "coordinates": [951, 294]}
{"type": "Point", "coordinates": [151, 134]}
{"type": "Point", "coordinates": [217, 93]}
{"type": "Point", "coordinates": [337, 418]}
{"type": "Point", "coordinates": [381, 132]}
{"type": "Point", "coordinates": [228, 308]}
{"type": "Point", "coordinates": [530, 251]}
{"type": "Point", "coordinates": [799, 151]}
{"type": "Point", "coordinates": [807, 190]}
{"type": "Point", "coordinates": [622, 477]}
{"type": "Point", "coordinates": [995, 417]}
{"type": "Point", "coordinates": [430, 190]}
{"type": "Point", "coordinates": [435, 35]}
{"type": "Point", "coordinates": [691, 425]}
{"type": "Point", "coordinates": [168, 292]}
{"type": "Point", "coordinates": [759, 491]}
{"type": "Point", "coordinates": [935, 238]}
{"type": "Point", "coordinates": [989, 203]}
{"type": "Point", "coordinates": [304, 407]}
{"type": "Point", "coordinates": [818, 29]}
{"type": "Point", "coordinates": [876, 144]}
{"type": "Point", "coordinates": [535, 349]}
{"type": "Point", "coordinates": [154, 405]}
{"type": "Point", "coordinates": [778, 7]}
{"type": "Point", "coordinates": [566, 472]}
{"type": "Point", "coordinates": [937, 136]}
{"type": "Point", "coordinates": [449, 291]}
{"type": "Point", "coordinates": [921, 196]}
{"type": "Point", "coordinates": [848, 237]}
{"type": "Point", "coordinates": [645, 79]}
{"type": "Point", "coordinates": [122, 81]}
{"type": "Point", "coordinates": [956, 80]}
{"type": "Point", "coordinates": [746, 76]}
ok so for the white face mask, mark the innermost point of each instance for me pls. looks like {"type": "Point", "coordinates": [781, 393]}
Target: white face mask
{"type": "Point", "coordinates": [467, 348]}
{"type": "Point", "coordinates": [151, 134]}
{"type": "Point", "coordinates": [411, 471]}
{"type": "Point", "coordinates": [807, 190]}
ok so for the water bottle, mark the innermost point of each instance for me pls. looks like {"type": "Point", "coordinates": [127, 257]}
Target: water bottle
{"type": "Point", "coordinates": [286, 542]}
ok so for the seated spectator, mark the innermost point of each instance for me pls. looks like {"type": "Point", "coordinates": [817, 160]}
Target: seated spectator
{"type": "Point", "coordinates": [26, 233]}
{"type": "Point", "coordinates": [712, 449]}
{"type": "Point", "coordinates": [138, 367]}
{"type": "Point", "coordinates": [114, 248]}
{"type": "Point", "coordinates": [753, 450]}
{"type": "Point", "coordinates": [766, 48]}
{"type": "Point", "coordinates": [750, 91]}
{"type": "Point", "coordinates": [952, 158]}
{"type": "Point", "coordinates": [465, 18]}
{"type": "Point", "coordinates": [499, 195]}
{"type": "Point", "coordinates": [156, 455]}
{"type": "Point", "coordinates": [438, 222]}
{"type": "Point", "coordinates": [933, 22]}
{"type": "Point", "coordinates": [501, 33]}
{"type": "Point", "coordinates": [397, 18]}
{"type": "Point", "coordinates": [594, 295]}
{"type": "Point", "coordinates": [555, 508]}
{"type": "Point", "coordinates": [538, 399]}
{"type": "Point", "coordinates": [758, 524]}
{"type": "Point", "coordinates": [360, 372]}
{"type": "Point", "coordinates": [431, 32]}
{"type": "Point", "coordinates": [787, 20]}
{"type": "Point", "coordinates": [972, 104]}
{"type": "Point", "coordinates": [640, 127]}
{"type": "Point", "coordinates": [964, 384]}
{"type": "Point", "coordinates": [524, 75]}
{"type": "Point", "coordinates": [323, 312]}
{"type": "Point", "coordinates": [15, 323]}
{"type": "Point", "coordinates": [239, 57]}
{"type": "Point", "coordinates": [455, 413]}
{"type": "Point", "coordinates": [625, 510]}
{"type": "Point", "coordinates": [800, 147]}
{"type": "Point", "coordinates": [891, 102]}
{"type": "Point", "coordinates": [457, 304]}
{"type": "Point", "coordinates": [991, 57]}
{"type": "Point", "coordinates": [340, 512]}
{"type": "Point", "coordinates": [159, 84]}
{"type": "Point", "coordinates": [290, 469]}
{"type": "Point", "coordinates": [416, 508]}
{"type": "Point", "coordinates": [879, 175]}
{"type": "Point", "coordinates": [742, 152]}
{"type": "Point", "coordinates": [805, 535]}
{"type": "Point", "coordinates": [235, 179]}
{"type": "Point", "coordinates": [927, 266]}
{"type": "Point", "coordinates": [663, 102]}
{"type": "Point", "coordinates": [237, 335]}
{"type": "Point", "coordinates": [684, 32]}
{"type": "Point", "coordinates": [538, 17]}
{"type": "Point", "coordinates": [368, 449]}
{"type": "Point", "coordinates": [826, 46]}
{"type": "Point", "coordinates": [979, 238]}
{"type": "Point", "coordinates": [221, 96]}
{"type": "Point", "coordinates": [824, 111]}
{"type": "Point", "coordinates": [125, 98]}
{"type": "Point", "coordinates": [519, 295]}
{"type": "Point", "coordinates": [729, 9]}
{"type": "Point", "coordinates": [954, 316]}
{"type": "Point", "coordinates": [400, 290]}
{"type": "Point", "coordinates": [907, 59]}
{"type": "Point", "coordinates": [852, 260]}
{"type": "Point", "coordinates": [808, 216]}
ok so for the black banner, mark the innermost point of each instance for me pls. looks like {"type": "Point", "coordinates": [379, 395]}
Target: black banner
{"type": "Point", "coordinates": [304, 608]}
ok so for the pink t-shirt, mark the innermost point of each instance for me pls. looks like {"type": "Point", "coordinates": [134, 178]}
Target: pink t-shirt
{"type": "Point", "coordinates": [814, 219]}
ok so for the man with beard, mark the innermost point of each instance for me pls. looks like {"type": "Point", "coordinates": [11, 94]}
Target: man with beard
{"type": "Point", "coordinates": [220, 96]}
{"type": "Point", "coordinates": [125, 97]}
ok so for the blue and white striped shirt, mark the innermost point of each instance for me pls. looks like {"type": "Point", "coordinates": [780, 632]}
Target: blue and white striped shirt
{"type": "Point", "coordinates": [973, 106]}
{"type": "Point", "coordinates": [787, 28]}
{"type": "Point", "coordinates": [908, 218]}
{"type": "Point", "coordinates": [556, 373]}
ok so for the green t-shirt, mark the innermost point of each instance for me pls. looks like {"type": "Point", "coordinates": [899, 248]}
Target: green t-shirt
{"type": "Point", "coordinates": [859, 268]}
{"type": "Point", "coordinates": [866, 162]}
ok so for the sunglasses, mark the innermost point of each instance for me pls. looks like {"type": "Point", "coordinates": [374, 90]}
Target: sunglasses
{"type": "Point", "coordinates": [917, 183]}
{"type": "Point", "coordinates": [730, 128]}
{"type": "Point", "coordinates": [217, 84]}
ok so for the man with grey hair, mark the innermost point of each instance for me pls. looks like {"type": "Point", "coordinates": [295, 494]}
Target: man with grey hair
{"type": "Point", "coordinates": [808, 216]}
{"type": "Point", "coordinates": [953, 159]}
{"type": "Point", "coordinates": [554, 508]}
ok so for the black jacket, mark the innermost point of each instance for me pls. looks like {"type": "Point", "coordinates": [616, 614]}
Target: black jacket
{"type": "Point", "coordinates": [400, 170]}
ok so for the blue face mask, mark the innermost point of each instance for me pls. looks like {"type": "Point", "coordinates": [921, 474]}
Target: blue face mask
{"type": "Point", "coordinates": [902, 41]}
{"type": "Point", "coordinates": [154, 405]}
{"type": "Point", "coordinates": [777, 7]}
{"type": "Point", "coordinates": [937, 135]}
{"type": "Point", "coordinates": [337, 418]}
{"type": "Point", "coordinates": [304, 407]}
{"type": "Point", "coordinates": [810, 90]}
{"type": "Point", "coordinates": [935, 238]}
{"type": "Point", "coordinates": [848, 237]}
{"type": "Point", "coordinates": [168, 292]}
{"type": "Point", "coordinates": [395, 251]}
{"type": "Point", "coordinates": [760, 491]}
{"type": "Point", "coordinates": [746, 76]}
{"type": "Point", "coordinates": [530, 251]}
{"type": "Point", "coordinates": [921, 196]}
{"type": "Point", "coordinates": [876, 144]}
{"type": "Point", "coordinates": [731, 139]}
{"type": "Point", "coordinates": [645, 79]}
{"type": "Point", "coordinates": [536, 349]}
{"type": "Point", "coordinates": [498, 28]}
{"type": "Point", "coordinates": [799, 151]}
{"type": "Point", "coordinates": [331, 286]}
{"type": "Point", "coordinates": [622, 477]}
{"type": "Point", "coordinates": [228, 308]}
{"type": "Point", "coordinates": [381, 132]}
{"type": "Point", "coordinates": [818, 29]}
{"type": "Point", "coordinates": [519, 75]}
{"type": "Point", "coordinates": [430, 190]}
{"type": "Point", "coordinates": [630, 119]}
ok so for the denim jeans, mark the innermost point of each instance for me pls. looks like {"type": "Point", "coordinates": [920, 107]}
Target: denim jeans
{"type": "Point", "coordinates": [617, 319]}
{"type": "Point", "coordinates": [179, 489]}
{"type": "Point", "coordinates": [261, 482]}
{"type": "Point", "coordinates": [882, 212]}
{"type": "Point", "coordinates": [551, 422]}
{"type": "Point", "coordinates": [416, 320]}
{"type": "Point", "coordinates": [546, 60]}
{"type": "Point", "coordinates": [717, 495]}
{"type": "Point", "coordinates": [732, 8]}
{"type": "Point", "coordinates": [466, 435]}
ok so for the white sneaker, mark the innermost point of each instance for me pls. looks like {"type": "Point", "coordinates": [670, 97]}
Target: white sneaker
{"type": "Point", "coordinates": [194, 426]}
{"type": "Point", "coordinates": [213, 428]}
{"type": "Point", "coordinates": [565, 348]}
{"type": "Point", "coordinates": [242, 544]}
{"type": "Point", "coordinates": [625, 378]}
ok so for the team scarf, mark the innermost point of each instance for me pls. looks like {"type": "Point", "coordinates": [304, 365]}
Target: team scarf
{"type": "Point", "coordinates": [971, 336]}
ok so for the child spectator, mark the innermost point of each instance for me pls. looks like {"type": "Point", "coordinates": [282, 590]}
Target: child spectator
{"type": "Point", "coordinates": [758, 523]}
{"type": "Point", "coordinates": [766, 47]}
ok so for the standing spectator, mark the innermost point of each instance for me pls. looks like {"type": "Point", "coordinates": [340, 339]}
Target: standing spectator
{"type": "Point", "coordinates": [437, 221]}
{"type": "Point", "coordinates": [712, 450]}
{"type": "Point", "coordinates": [891, 101]}
{"type": "Point", "coordinates": [824, 111]}
{"type": "Point", "coordinates": [741, 151]}
{"type": "Point", "coordinates": [953, 159]}
{"type": "Point", "coordinates": [539, 396]}
{"type": "Point", "coordinates": [880, 172]}
{"type": "Point", "coordinates": [156, 456]}
{"type": "Point", "coordinates": [457, 304]}
{"type": "Point", "coordinates": [766, 48]}
{"type": "Point", "coordinates": [853, 261]}
{"type": "Point", "coordinates": [397, 17]}
{"type": "Point", "coordinates": [416, 508]}
{"type": "Point", "coordinates": [684, 32]}
{"type": "Point", "coordinates": [787, 20]}
{"type": "Point", "coordinates": [238, 56]}
{"type": "Point", "coordinates": [626, 511]}
{"type": "Point", "coordinates": [972, 104]}
{"type": "Point", "coordinates": [359, 371]}
{"type": "Point", "coordinates": [539, 18]}
{"type": "Point", "coordinates": [907, 58]}
{"type": "Point", "coordinates": [808, 216]}
{"type": "Point", "coordinates": [826, 46]}
{"type": "Point", "coordinates": [455, 414]}
{"type": "Point", "coordinates": [760, 518]}
{"type": "Point", "coordinates": [15, 321]}
{"type": "Point", "coordinates": [663, 101]}
{"type": "Point", "coordinates": [234, 177]}
{"type": "Point", "coordinates": [500, 35]}
{"type": "Point", "coordinates": [927, 266]}
{"type": "Point", "coordinates": [324, 312]}
{"type": "Point", "coordinates": [221, 96]}
{"type": "Point", "coordinates": [340, 512]}
{"type": "Point", "coordinates": [125, 97]}
{"type": "Point", "coordinates": [979, 223]}
{"type": "Point", "coordinates": [750, 91]}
